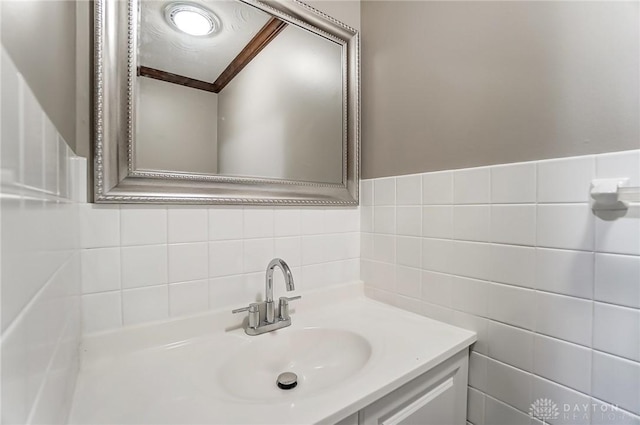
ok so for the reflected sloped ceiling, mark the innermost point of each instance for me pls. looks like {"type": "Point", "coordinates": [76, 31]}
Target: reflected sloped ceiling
{"type": "Point", "coordinates": [162, 47]}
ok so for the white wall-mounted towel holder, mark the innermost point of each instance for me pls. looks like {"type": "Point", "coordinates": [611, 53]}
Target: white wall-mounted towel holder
{"type": "Point", "coordinates": [613, 194]}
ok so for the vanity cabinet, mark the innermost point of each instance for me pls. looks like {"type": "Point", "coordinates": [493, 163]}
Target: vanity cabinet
{"type": "Point", "coordinates": [437, 397]}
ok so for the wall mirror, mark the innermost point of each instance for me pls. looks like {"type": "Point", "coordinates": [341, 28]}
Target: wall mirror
{"type": "Point", "coordinates": [224, 102]}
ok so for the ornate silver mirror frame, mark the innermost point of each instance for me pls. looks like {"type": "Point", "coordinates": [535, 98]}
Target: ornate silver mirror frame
{"type": "Point", "coordinates": [117, 181]}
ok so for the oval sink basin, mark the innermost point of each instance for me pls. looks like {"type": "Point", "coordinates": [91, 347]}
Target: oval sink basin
{"type": "Point", "coordinates": [322, 358]}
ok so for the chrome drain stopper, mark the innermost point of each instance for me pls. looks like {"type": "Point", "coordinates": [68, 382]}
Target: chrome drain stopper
{"type": "Point", "coordinates": [287, 380]}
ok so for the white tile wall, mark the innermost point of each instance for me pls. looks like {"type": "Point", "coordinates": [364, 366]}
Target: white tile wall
{"type": "Point", "coordinates": [40, 244]}
{"type": "Point", "coordinates": [515, 253]}
{"type": "Point", "coordinates": [174, 261]}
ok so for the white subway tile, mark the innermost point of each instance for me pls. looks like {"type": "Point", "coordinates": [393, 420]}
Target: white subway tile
{"type": "Point", "coordinates": [384, 248]}
{"type": "Point", "coordinates": [290, 250]}
{"type": "Point", "coordinates": [617, 381]}
{"type": "Point", "coordinates": [618, 233]}
{"type": "Point", "coordinates": [99, 225]}
{"type": "Point", "coordinates": [619, 164]}
{"type": "Point", "coordinates": [314, 276]}
{"type": "Point", "coordinates": [144, 265]}
{"type": "Point", "coordinates": [477, 324]}
{"type": "Point", "coordinates": [471, 223]}
{"type": "Point", "coordinates": [437, 255]}
{"type": "Point", "coordinates": [471, 259]}
{"type": "Point", "coordinates": [604, 413]}
{"type": "Point", "coordinates": [565, 226]}
{"type": "Point", "coordinates": [287, 222]}
{"type": "Point", "coordinates": [339, 272]}
{"type": "Point", "coordinates": [513, 224]}
{"type": "Point", "coordinates": [408, 281]}
{"type": "Point", "coordinates": [409, 221]}
{"type": "Point", "coordinates": [510, 345]}
{"type": "Point", "coordinates": [498, 413]}
{"type": "Point", "coordinates": [312, 221]}
{"type": "Point", "coordinates": [366, 246]}
{"type": "Point", "coordinates": [64, 186]}
{"type": "Point", "coordinates": [565, 180]}
{"type": "Point", "coordinates": [472, 186]}
{"type": "Point", "coordinates": [509, 384]}
{"type": "Point", "coordinates": [143, 225]}
{"type": "Point", "coordinates": [477, 371]}
{"type": "Point", "coordinates": [475, 406]}
{"type": "Point", "coordinates": [32, 123]}
{"type": "Point", "coordinates": [50, 156]}
{"type": "Point", "coordinates": [384, 220]}
{"type": "Point", "coordinates": [408, 251]}
{"type": "Point", "coordinates": [188, 297]}
{"type": "Point", "coordinates": [382, 275]}
{"type": "Point", "coordinates": [366, 219]}
{"type": "Point", "coordinates": [513, 264]}
{"type": "Point", "coordinates": [78, 179]}
{"type": "Point", "coordinates": [257, 253]}
{"type": "Point", "coordinates": [100, 270]}
{"type": "Point", "coordinates": [437, 222]}
{"type": "Point", "coordinates": [342, 220]}
{"type": "Point", "coordinates": [513, 183]}
{"type": "Point", "coordinates": [511, 305]}
{"type": "Point", "coordinates": [342, 246]}
{"type": "Point", "coordinates": [188, 261]}
{"type": "Point", "coordinates": [258, 223]}
{"type": "Point", "coordinates": [436, 288]}
{"type": "Point", "coordinates": [437, 188]}
{"type": "Point", "coordinates": [469, 295]}
{"type": "Point", "coordinates": [145, 304]}
{"type": "Point", "coordinates": [366, 192]}
{"type": "Point", "coordinates": [314, 249]}
{"type": "Point", "coordinates": [573, 407]}
{"type": "Point", "coordinates": [616, 279]}
{"type": "Point", "coordinates": [225, 258]}
{"type": "Point", "coordinates": [11, 86]}
{"type": "Point", "coordinates": [565, 272]}
{"type": "Point", "coordinates": [230, 291]}
{"type": "Point", "coordinates": [225, 223]}
{"type": "Point", "coordinates": [101, 312]}
{"type": "Point", "coordinates": [616, 330]}
{"type": "Point", "coordinates": [562, 362]}
{"type": "Point", "coordinates": [567, 318]}
{"type": "Point", "coordinates": [435, 312]}
{"type": "Point", "coordinates": [187, 225]}
{"type": "Point", "coordinates": [409, 190]}
{"type": "Point", "coordinates": [384, 191]}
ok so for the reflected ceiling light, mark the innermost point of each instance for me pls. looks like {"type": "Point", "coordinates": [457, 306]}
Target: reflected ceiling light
{"type": "Point", "coordinates": [192, 19]}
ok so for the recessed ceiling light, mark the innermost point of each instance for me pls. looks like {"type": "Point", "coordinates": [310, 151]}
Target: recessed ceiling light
{"type": "Point", "coordinates": [192, 19]}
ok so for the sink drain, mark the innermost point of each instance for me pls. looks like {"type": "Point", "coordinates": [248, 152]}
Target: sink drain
{"type": "Point", "coordinates": [287, 380]}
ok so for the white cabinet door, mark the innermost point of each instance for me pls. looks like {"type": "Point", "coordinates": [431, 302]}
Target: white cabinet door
{"type": "Point", "coordinates": [349, 420]}
{"type": "Point", "coordinates": [439, 397]}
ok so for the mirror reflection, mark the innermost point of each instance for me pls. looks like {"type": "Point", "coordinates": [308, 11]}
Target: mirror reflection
{"type": "Point", "coordinates": [224, 88]}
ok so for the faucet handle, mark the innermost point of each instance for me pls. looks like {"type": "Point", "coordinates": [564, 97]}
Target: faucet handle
{"type": "Point", "coordinates": [284, 306]}
{"type": "Point", "coordinates": [297, 297]}
{"type": "Point", "coordinates": [254, 314]}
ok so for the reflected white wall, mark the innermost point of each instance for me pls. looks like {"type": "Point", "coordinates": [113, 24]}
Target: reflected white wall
{"type": "Point", "coordinates": [176, 127]}
{"type": "Point", "coordinates": [281, 116]}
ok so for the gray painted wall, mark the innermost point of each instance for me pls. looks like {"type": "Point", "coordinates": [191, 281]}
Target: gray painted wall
{"type": "Point", "coordinates": [40, 37]}
{"type": "Point", "coordinates": [459, 84]}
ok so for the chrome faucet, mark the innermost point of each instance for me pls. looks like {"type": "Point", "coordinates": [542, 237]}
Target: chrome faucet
{"type": "Point", "coordinates": [262, 316]}
{"type": "Point", "coordinates": [288, 281]}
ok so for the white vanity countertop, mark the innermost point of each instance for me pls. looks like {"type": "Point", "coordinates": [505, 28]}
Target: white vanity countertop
{"type": "Point", "coordinates": [176, 371]}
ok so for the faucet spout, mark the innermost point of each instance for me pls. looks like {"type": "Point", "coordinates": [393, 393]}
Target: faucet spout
{"type": "Point", "coordinates": [288, 281]}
